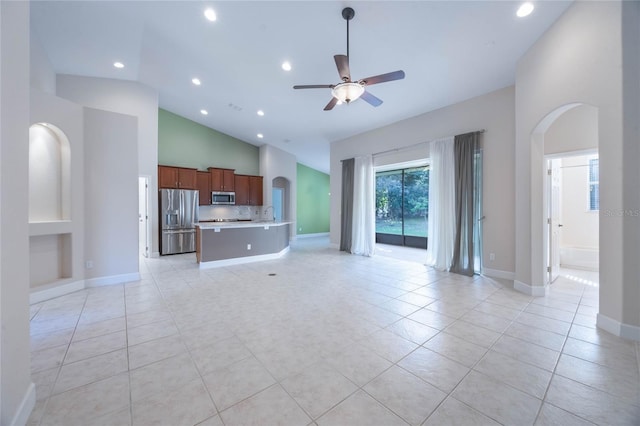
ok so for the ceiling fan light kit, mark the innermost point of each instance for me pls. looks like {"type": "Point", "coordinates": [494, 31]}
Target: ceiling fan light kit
{"type": "Point", "coordinates": [348, 91]}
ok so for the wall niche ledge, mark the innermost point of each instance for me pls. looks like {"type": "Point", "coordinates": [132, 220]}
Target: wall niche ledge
{"type": "Point", "coordinates": [52, 227]}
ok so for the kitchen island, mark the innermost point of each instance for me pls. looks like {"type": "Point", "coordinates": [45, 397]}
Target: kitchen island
{"type": "Point", "coordinates": [231, 243]}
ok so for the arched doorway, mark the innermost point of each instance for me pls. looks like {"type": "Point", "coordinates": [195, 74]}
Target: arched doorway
{"type": "Point", "coordinates": [565, 131]}
{"type": "Point", "coordinates": [280, 197]}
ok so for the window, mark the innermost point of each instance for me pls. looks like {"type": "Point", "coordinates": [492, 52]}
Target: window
{"type": "Point", "coordinates": [402, 204]}
{"type": "Point", "coordinates": [594, 185]}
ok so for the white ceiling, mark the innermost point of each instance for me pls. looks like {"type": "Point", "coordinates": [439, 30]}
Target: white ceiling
{"type": "Point", "coordinates": [449, 50]}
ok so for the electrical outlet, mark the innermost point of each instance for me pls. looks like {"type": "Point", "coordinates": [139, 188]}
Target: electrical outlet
{"type": "Point", "coordinates": [300, 229]}
{"type": "Point", "coordinates": [89, 264]}
{"type": "Point", "coordinates": [248, 246]}
{"type": "Point", "coordinates": [492, 256]}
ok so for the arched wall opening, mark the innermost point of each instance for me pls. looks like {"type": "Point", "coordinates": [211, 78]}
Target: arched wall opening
{"type": "Point", "coordinates": [568, 128]}
{"type": "Point", "coordinates": [281, 198]}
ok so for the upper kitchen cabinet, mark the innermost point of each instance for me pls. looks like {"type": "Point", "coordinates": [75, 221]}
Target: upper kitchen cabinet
{"type": "Point", "coordinates": [222, 179]}
{"type": "Point", "coordinates": [204, 188]}
{"type": "Point", "coordinates": [242, 190]}
{"type": "Point", "coordinates": [177, 177]}
{"type": "Point", "coordinates": [255, 190]}
{"type": "Point", "coordinates": [248, 190]}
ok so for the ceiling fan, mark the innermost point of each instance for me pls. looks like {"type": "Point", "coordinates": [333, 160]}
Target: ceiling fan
{"type": "Point", "coordinates": [348, 91]}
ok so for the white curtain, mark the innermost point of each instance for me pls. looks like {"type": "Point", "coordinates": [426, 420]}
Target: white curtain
{"type": "Point", "coordinates": [442, 202]}
{"type": "Point", "coordinates": [364, 227]}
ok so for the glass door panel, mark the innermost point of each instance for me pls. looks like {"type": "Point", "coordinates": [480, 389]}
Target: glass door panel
{"type": "Point", "coordinates": [389, 202]}
{"type": "Point", "coordinates": [402, 204]}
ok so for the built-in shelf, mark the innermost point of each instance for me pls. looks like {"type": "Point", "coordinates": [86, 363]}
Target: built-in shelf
{"type": "Point", "coordinates": [54, 227]}
{"type": "Point", "coordinates": [50, 258]}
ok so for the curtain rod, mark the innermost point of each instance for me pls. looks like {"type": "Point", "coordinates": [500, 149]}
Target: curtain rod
{"type": "Point", "coordinates": [418, 144]}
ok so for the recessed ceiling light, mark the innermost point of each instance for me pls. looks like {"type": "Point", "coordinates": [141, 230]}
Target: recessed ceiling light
{"type": "Point", "coordinates": [196, 81]}
{"type": "Point", "coordinates": [210, 14]}
{"type": "Point", "coordinates": [286, 66]}
{"type": "Point", "coordinates": [260, 135]}
{"type": "Point", "coordinates": [118, 64]}
{"type": "Point", "coordinates": [525, 9]}
{"type": "Point", "coordinates": [204, 112]}
{"type": "Point", "coordinates": [260, 112]}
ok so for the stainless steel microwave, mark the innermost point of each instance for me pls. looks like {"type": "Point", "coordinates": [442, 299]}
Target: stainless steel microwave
{"type": "Point", "coordinates": [223, 198]}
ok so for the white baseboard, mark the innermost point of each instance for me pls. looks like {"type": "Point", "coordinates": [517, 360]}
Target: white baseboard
{"type": "Point", "coordinates": [26, 407]}
{"type": "Point", "coordinates": [55, 291]}
{"type": "Point", "coordinates": [319, 234]}
{"type": "Point", "coordinates": [242, 260]}
{"type": "Point", "coordinates": [112, 279]}
{"type": "Point", "coordinates": [531, 290]}
{"type": "Point", "coordinates": [617, 328]}
{"type": "Point", "coordinates": [496, 273]}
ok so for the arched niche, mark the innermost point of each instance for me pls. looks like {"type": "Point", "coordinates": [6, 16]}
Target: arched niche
{"type": "Point", "coordinates": [49, 174]}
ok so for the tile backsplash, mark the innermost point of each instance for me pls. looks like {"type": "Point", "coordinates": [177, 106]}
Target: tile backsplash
{"type": "Point", "coordinates": [230, 212]}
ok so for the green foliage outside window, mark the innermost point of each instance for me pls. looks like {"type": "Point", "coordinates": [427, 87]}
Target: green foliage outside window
{"type": "Point", "coordinates": [402, 201]}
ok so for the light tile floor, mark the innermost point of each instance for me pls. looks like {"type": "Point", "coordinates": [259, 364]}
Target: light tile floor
{"type": "Point", "coordinates": [330, 339]}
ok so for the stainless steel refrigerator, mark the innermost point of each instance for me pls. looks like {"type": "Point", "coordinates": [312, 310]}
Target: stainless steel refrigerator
{"type": "Point", "coordinates": [178, 219]}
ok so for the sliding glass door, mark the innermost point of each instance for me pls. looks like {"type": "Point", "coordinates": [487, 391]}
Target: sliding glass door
{"type": "Point", "coordinates": [402, 205]}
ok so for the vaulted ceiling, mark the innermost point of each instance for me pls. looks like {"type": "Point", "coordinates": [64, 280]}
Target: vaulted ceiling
{"type": "Point", "coordinates": [449, 50]}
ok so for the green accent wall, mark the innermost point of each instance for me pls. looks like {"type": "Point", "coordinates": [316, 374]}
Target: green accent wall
{"type": "Point", "coordinates": [185, 143]}
{"type": "Point", "coordinates": [312, 200]}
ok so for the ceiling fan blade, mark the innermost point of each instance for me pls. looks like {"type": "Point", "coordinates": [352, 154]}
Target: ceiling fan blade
{"type": "Point", "coordinates": [390, 76]}
{"type": "Point", "coordinates": [342, 62]}
{"type": "Point", "coordinates": [331, 104]}
{"type": "Point", "coordinates": [314, 86]}
{"type": "Point", "coordinates": [372, 100]}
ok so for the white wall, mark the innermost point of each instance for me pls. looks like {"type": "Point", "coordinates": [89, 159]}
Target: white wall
{"type": "Point", "coordinates": [111, 194]}
{"type": "Point", "coordinates": [493, 112]}
{"type": "Point", "coordinates": [630, 157]}
{"type": "Point", "coordinates": [575, 130]}
{"type": "Point", "coordinates": [131, 98]}
{"type": "Point", "coordinates": [43, 76]}
{"type": "Point", "coordinates": [580, 225]}
{"type": "Point", "coordinates": [274, 163]}
{"type": "Point", "coordinates": [578, 60]}
{"type": "Point", "coordinates": [16, 390]}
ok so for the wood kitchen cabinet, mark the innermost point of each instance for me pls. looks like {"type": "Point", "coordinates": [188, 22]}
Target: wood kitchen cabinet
{"type": "Point", "coordinates": [177, 177]}
{"type": "Point", "coordinates": [242, 190]}
{"type": "Point", "coordinates": [204, 188]}
{"type": "Point", "coordinates": [255, 190]}
{"type": "Point", "coordinates": [248, 190]}
{"type": "Point", "coordinates": [222, 179]}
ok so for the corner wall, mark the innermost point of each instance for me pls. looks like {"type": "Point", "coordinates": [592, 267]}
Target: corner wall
{"type": "Point", "coordinates": [275, 163]}
{"type": "Point", "coordinates": [548, 78]}
{"type": "Point", "coordinates": [493, 112]}
{"type": "Point", "coordinates": [17, 392]}
{"type": "Point", "coordinates": [130, 98]}
{"type": "Point", "coordinates": [111, 197]}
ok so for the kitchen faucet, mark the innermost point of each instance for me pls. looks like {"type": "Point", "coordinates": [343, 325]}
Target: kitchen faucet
{"type": "Point", "coordinates": [267, 209]}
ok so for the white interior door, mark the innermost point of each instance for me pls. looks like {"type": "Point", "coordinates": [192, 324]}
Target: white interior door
{"type": "Point", "coordinates": [143, 215]}
{"type": "Point", "coordinates": [555, 219]}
